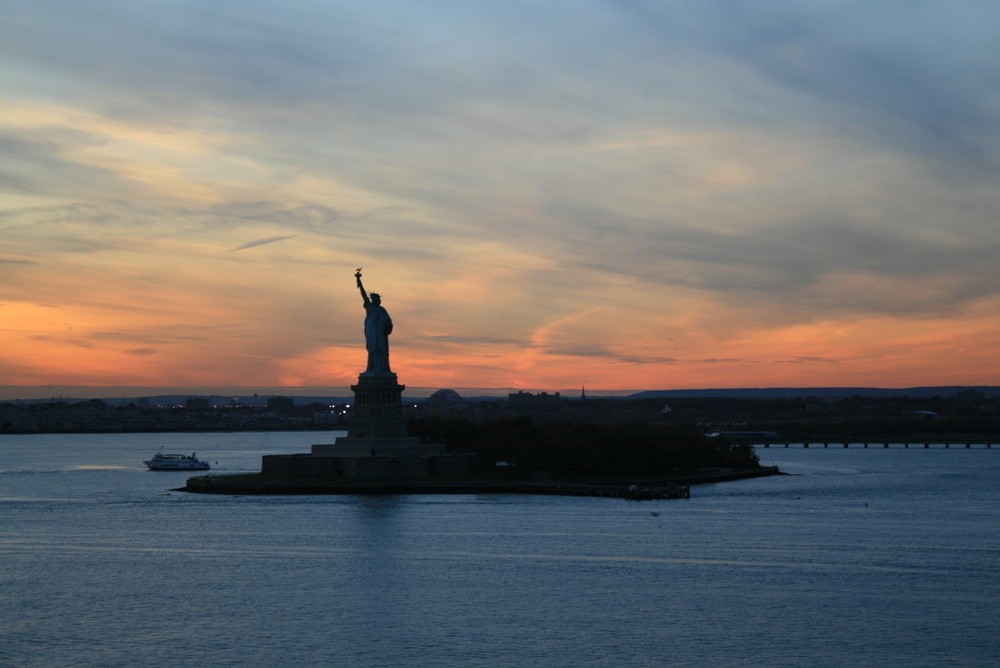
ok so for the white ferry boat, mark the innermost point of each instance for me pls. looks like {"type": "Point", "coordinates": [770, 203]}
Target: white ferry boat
{"type": "Point", "coordinates": [165, 462]}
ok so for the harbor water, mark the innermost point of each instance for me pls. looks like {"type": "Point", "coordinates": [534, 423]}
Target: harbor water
{"type": "Point", "coordinates": [859, 557]}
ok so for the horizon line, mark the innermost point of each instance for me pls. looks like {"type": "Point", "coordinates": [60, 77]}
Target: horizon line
{"type": "Point", "coordinates": [42, 392]}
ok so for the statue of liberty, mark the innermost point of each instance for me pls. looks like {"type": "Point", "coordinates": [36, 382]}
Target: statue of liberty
{"type": "Point", "coordinates": [378, 327]}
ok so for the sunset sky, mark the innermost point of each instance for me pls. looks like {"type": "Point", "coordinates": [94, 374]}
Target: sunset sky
{"type": "Point", "coordinates": [620, 195]}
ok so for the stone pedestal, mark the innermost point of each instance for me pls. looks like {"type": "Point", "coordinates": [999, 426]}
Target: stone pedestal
{"type": "Point", "coordinates": [378, 408]}
{"type": "Point", "coordinates": [377, 443]}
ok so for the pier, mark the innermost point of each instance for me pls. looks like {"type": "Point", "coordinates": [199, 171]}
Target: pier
{"type": "Point", "coordinates": [881, 444]}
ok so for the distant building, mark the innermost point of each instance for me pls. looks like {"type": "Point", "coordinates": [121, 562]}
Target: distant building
{"type": "Point", "coordinates": [280, 403]}
{"type": "Point", "coordinates": [196, 404]}
{"type": "Point", "coordinates": [446, 398]}
{"type": "Point", "coordinates": [527, 397]}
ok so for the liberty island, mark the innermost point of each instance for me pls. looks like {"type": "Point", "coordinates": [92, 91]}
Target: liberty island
{"type": "Point", "coordinates": [378, 454]}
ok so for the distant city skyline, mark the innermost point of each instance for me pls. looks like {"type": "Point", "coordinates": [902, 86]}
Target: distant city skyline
{"type": "Point", "coordinates": [620, 196]}
{"type": "Point", "coordinates": [8, 392]}
{"type": "Point", "coordinates": [45, 394]}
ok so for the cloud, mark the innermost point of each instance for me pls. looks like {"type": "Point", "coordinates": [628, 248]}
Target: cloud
{"type": "Point", "coordinates": [314, 217]}
{"type": "Point", "coordinates": [884, 73]}
{"type": "Point", "coordinates": [262, 242]}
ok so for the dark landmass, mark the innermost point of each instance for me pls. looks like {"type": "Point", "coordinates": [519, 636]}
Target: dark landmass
{"type": "Point", "coordinates": [944, 391]}
{"type": "Point", "coordinates": [965, 413]}
{"type": "Point", "coordinates": [581, 449]}
{"type": "Point", "coordinates": [260, 399]}
{"type": "Point", "coordinates": [522, 456]}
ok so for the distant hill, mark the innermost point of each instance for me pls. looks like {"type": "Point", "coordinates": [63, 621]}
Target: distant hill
{"type": "Point", "coordinates": [989, 391]}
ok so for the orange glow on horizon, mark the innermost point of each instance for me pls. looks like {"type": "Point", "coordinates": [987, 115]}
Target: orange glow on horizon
{"type": "Point", "coordinates": [56, 346]}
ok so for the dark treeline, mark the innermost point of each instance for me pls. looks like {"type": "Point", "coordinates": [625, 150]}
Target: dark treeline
{"type": "Point", "coordinates": [968, 414]}
{"type": "Point", "coordinates": [633, 449]}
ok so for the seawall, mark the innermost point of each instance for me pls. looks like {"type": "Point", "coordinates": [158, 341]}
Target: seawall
{"type": "Point", "coordinates": [657, 487]}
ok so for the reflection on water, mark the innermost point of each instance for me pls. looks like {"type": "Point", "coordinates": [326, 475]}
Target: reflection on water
{"type": "Point", "coordinates": [864, 557]}
{"type": "Point", "coordinates": [98, 467]}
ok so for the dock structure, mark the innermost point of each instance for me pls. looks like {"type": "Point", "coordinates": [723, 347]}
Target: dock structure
{"type": "Point", "coordinates": [882, 444]}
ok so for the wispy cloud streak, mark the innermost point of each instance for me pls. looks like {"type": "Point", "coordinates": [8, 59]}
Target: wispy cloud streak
{"type": "Point", "coordinates": [262, 242]}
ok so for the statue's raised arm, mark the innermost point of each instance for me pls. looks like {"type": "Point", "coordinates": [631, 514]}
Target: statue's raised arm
{"type": "Point", "coordinates": [364, 295]}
